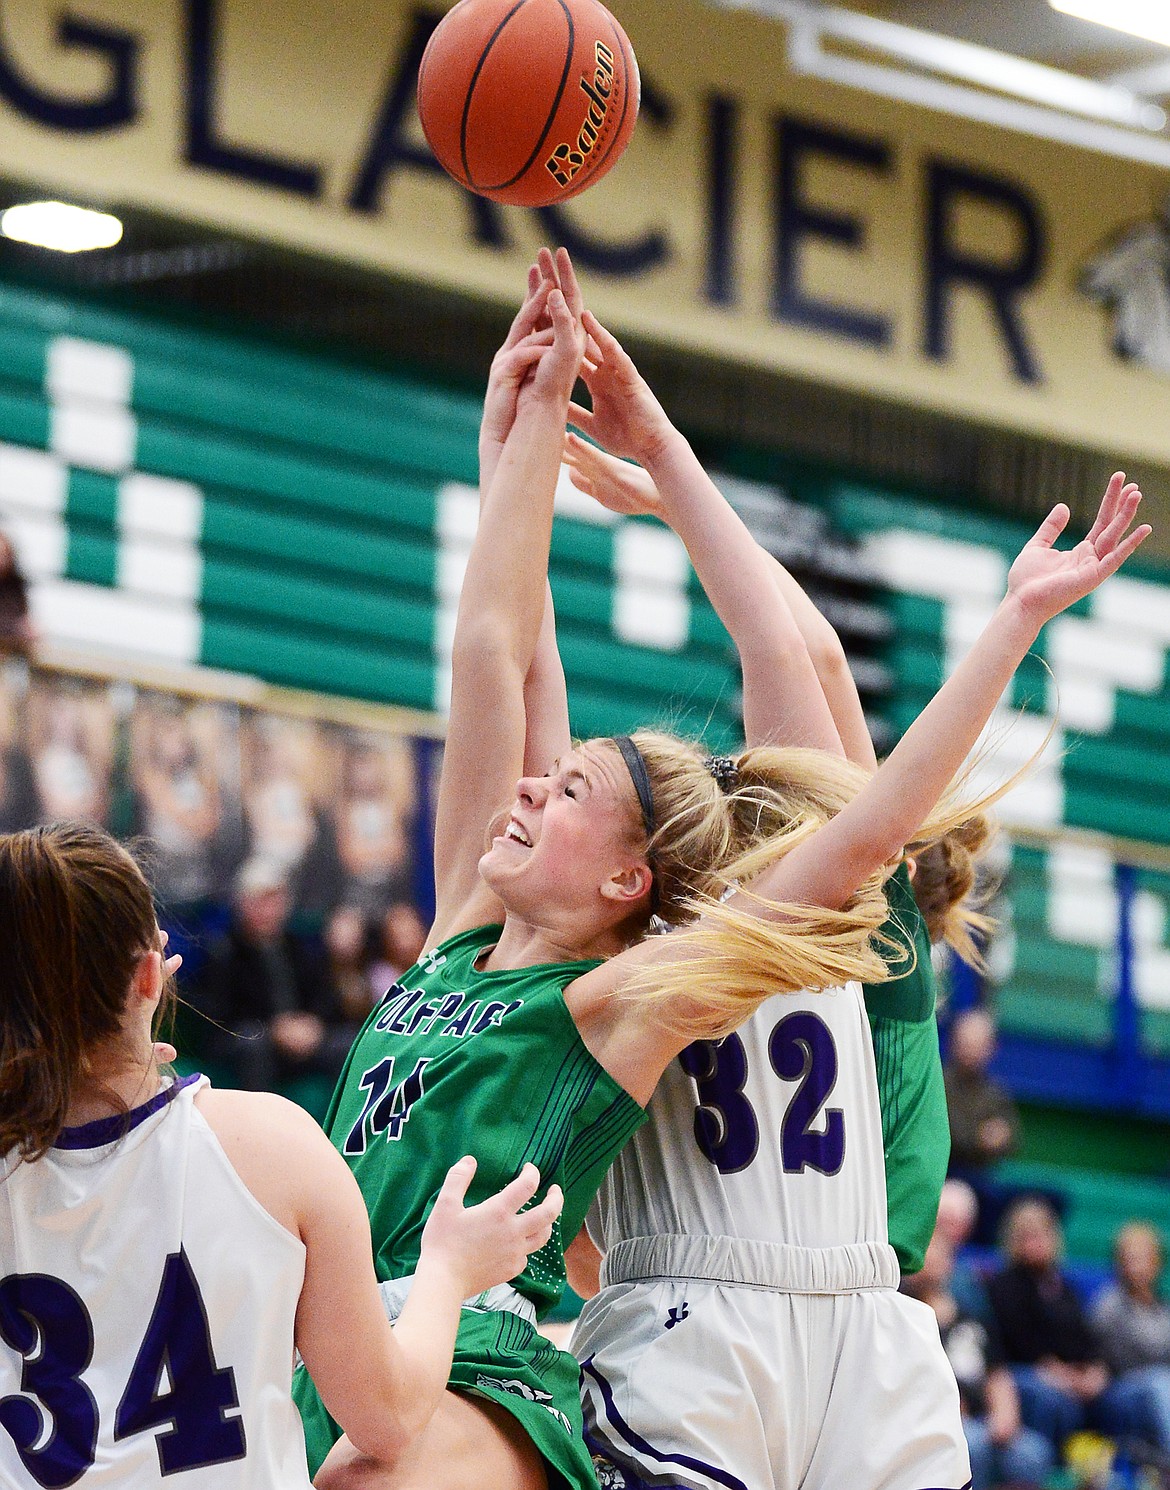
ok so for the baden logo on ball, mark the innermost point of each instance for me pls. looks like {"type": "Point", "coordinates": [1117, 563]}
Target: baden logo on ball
{"type": "Point", "coordinates": [528, 101]}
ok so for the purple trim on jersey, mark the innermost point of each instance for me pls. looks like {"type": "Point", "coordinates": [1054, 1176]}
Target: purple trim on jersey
{"type": "Point", "coordinates": [640, 1445]}
{"type": "Point", "coordinates": [105, 1130]}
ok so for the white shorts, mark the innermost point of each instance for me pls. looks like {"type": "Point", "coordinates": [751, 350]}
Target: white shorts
{"type": "Point", "coordinates": [694, 1384]}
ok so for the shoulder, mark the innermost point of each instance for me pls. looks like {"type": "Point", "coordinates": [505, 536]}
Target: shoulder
{"type": "Point", "coordinates": [260, 1121]}
{"type": "Point", "coordinates": [278, 1150]}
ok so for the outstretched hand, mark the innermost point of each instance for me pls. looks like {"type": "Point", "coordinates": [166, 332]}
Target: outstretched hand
{"type": "Point", "coordinates": [616, 484]}
{"type": "Point", "coordinates": [513, 361]}
{"type": "Point", "coordinates": [1045, 580]}
{"type": "Point", "coordinates": [626, 417]}
{"type": "Point", "coordinates": [554, 374]}
{"type": "Point", "coordinates": [489, 1243]}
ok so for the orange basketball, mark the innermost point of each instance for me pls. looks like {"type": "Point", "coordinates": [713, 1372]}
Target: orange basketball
{"type": "Point", "coordinates": [528, 101]}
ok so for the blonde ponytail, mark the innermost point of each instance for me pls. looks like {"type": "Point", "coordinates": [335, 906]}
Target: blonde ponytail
{"type": "Point", "coordinates": [736, 958]}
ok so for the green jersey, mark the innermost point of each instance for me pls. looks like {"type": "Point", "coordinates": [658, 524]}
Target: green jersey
{"type": "Point", "coordinates": [915, 1133]}
{"type": "Point", "coordinates": [456, 1061]}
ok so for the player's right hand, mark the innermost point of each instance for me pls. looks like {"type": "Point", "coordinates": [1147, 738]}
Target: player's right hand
{"type": "Point", "coordinates": [489, 1243]}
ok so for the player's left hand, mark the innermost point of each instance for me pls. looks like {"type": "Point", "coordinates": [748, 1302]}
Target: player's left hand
{"type": "Point", "coordinates": [508, 369]}
{"type": "Point", "coordinates": [618, 485]}
{"type": "Point", "coordinates": [555, 373]}
{"type": "Point", "coordinates": [1045, 580]}
{"type": "Point", "coordinates": [626, 418]}
{"type": "Point", "coordinates": [489, 1243]}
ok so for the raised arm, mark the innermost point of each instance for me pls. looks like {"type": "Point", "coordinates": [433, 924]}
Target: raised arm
{"type": "Point", "coordinates": [501, 608]}
{"type": "Point", "coordinates": [887, 813]}
{"type": "Point", "coordinates": [709, 977]}
{"type": "Point", "coordinates": [783, 700]}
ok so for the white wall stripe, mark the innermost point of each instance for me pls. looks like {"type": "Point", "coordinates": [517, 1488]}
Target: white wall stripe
{"type": "Point", "coordinates": [160, 507]}
{"type": "Point", "coordinates": [97, 618]}
{"type": "Point", "coordinates": [88, 371]}
{"type": "Point", "coordinates": [97, 437]}
{"type": "Point", "coordinates": [32, 480]}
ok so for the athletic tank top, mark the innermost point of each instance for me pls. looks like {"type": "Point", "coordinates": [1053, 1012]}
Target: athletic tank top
{"type": "Point", "coordinates": [456, 1061]}
{"type": "Point", "coordinates": [772, 1134]}
{"type": "Point", "coordinates": [147, 1302]}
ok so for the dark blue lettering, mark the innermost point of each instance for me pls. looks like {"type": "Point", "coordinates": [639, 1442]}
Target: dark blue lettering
{"type": "Point", "coordinates": [203, 147]}
{"type": "Point", "coordinates": [722, 162]}
{"type": "Point", "coordinates": [424, 1011]}
{"type": "Point", "coordinates": [495, 1014]}
{"type": "Point", "coordinates": [1003, 281]}
{"type": "Point", "coordinates": [798, 220]}
{"type": "Point", "coordinates": [620, 260]}
{"type": "Point", "coordinates": [389, 148]}
{"type": "Point", "coordinates": [446, 1009]}
{"type": "Point", "coordinates": [396, 1025]}
{"type": "Point", "coordinates": [459, 1027]}
{"type": "Point", "coordinates": [388, 1005]}
{"type": "Point", "coordinates": [115, 106]}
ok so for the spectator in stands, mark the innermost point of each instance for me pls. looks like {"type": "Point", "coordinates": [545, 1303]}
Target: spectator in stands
{"type": "Point", "coordinates": [372, 844]}
{"type": "Point", "coordinates": [175, 771]}
{"type": "Point", "coordinates": [71, 746]}
{"type": "Point", "coordinates": [267, 993]}
{"type": "Point", "coordinates": [1046, 1335]}
{"type": "Point", "coordinates": [983, 1118]}
{"type": "Point", "coordinates": [347, 940]}
{"type": "Point", "coordinates": [958, 1209]}
{"type": "Point", "coordinates": [404, 934]}
{"type": "Point", "coordinates": [19, 807]}
{"type": "Point", "coordinates": [1002, 1449]}
{"type": "Point", "coordinates": [17, 634]}
{"type": "Point", "coordinates": [1133, 1326]}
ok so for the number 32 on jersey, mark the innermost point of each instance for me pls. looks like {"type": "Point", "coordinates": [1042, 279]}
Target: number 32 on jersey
{"type": "Point", "coordinates": [800, 1050]}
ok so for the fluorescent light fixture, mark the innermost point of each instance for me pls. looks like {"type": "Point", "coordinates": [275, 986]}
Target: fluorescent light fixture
{"type": "Point", "coordinates": [59, 226]}
{"type": "Point", "coordinates": [1149, 19]}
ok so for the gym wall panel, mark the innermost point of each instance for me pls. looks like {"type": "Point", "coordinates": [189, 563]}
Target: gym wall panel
{"type": "Point", "coordinates": [177, 493]}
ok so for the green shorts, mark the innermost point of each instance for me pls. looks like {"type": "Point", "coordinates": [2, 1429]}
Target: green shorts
{"type": "Point", "coordinates": [500, 1356]}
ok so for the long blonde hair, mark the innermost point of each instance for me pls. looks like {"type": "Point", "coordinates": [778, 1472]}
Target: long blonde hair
{"type": "Point", "coordinates": [736, 960]}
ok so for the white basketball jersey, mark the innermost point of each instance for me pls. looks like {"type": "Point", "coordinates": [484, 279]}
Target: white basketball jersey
{"type": "Point", "coordinates": [772, 1134]}
{"type": "Point", "coordinates": [147, 1303]}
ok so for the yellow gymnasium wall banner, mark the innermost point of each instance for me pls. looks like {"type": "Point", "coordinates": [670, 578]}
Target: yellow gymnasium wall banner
{"type": "Point", "coordinates": [757, 215]}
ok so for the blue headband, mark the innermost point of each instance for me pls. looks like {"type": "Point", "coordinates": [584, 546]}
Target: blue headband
{"type": "Point", "coordinates": [640, 777]}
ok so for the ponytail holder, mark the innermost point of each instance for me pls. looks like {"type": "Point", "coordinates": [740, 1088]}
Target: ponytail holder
{"type": "Point", "coordinates": [724, 770]}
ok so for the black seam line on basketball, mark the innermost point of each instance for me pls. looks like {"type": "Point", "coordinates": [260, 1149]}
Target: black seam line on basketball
{"type": "Point", "coordinates": [552, 113]}
{"type": "Point", "coordinates": [596, 168]}
{"type": "Point", "coordinates": [483, 56]}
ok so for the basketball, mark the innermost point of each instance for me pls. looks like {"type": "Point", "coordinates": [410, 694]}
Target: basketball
{"type": "Point", "coordinates": [528, 101]}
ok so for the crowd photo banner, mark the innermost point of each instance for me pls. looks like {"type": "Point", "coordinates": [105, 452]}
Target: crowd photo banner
{"type": "Point", "coordinates": [758, 215]}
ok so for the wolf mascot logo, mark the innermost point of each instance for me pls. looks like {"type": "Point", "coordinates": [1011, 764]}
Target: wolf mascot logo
{"type": "Point", "coordinates": [1132, 277]}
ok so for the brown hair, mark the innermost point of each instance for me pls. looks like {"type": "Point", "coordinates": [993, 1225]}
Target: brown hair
{"type": "Point", "coordinates": [947, 890]}
{"type": "Point", "coordinates": [76, 917]}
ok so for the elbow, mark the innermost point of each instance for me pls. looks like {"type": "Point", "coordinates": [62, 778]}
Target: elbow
{"type": "Point", "coordinates": [483, 643]}
{"type": "Point", "coordinates": [386, 1436]}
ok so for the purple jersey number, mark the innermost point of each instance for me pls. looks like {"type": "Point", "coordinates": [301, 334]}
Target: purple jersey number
{"type": "Point", "coordinates": [801, 1049]}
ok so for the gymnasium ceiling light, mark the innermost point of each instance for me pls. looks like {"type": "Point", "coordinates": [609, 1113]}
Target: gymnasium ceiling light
{"type": "Point", "coordinates": [60, 226]}
{"type": "Point", "coordinates": [928, 70]}
{"type": "Point", "coordinates": [1149, 19]}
